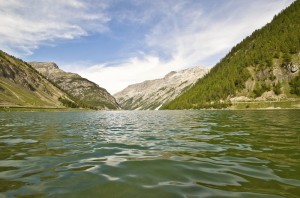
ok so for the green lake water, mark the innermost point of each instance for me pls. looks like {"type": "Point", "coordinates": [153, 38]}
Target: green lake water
{"type": "Point", "coordinates": [150, 154]}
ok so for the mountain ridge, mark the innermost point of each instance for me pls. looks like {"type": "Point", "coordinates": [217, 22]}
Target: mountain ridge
{"type": "Point", "coordinates": [87, 93]}
{"type": "Point", "coordinates": [22, 86]}
{"type": "Point", "coordinates": [152, 94]}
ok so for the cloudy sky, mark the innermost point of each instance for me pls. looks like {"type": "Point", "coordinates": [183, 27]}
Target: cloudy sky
{"type": "Point", "coordinates": [120, 42]}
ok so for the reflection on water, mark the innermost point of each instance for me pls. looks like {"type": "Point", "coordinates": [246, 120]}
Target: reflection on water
{"type": "Point", "coordinates": [150, 154]}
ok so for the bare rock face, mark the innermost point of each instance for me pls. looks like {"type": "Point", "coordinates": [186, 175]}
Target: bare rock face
{"type": "Point", "coordinates": [82, 90]}
{"type": "Point", "coordinates": [153, 94]}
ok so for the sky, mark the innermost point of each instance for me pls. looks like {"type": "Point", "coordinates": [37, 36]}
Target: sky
{"type": "Point", "coordinates": [115, 43]}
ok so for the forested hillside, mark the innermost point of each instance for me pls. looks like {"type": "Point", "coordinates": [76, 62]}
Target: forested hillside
{"type": "Point", "coordinates": [265, 62]}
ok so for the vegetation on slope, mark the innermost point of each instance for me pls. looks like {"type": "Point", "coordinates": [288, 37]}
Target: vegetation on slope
{"type": "Point", "coordinates": [267, 60]}
{"type": "Point", "coordinates": [295, 85]}
{"type": "Point", "coordinates": [23, 86]}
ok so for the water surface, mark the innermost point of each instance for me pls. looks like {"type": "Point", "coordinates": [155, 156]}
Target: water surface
{"type": "Point", "coordinates": [150, 154]}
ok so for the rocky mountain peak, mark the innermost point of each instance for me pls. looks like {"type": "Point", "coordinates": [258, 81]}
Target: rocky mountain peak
{"type": "Point", "coordinates": [170, 74]}
{"type": "Point", "coordinates": [50, 65]}
{"type": "Point", "coordinates": [152, 94]}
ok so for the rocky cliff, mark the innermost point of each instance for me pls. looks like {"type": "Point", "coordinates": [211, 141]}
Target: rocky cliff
{"type": "Point", "coordinates": [23, 86]}
{"type": "Point", "coordinates": [152, 94]}
{"type": "Point", "coordinates": [83, 91]}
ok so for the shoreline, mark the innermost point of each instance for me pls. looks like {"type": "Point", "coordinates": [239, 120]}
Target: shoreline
{"type": "Point", "coordinates": [40, 109]}
{"type": "Point", "coordinates": [251, 105]}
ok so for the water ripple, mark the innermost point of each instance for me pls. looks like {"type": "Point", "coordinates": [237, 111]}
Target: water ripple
{"type": "Point", "coordinates": [150, 154]}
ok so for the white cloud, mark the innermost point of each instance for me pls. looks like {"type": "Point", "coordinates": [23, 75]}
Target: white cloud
{"type": "Point", "coordinates": [25, 25]}
{"type": "Point", "coordinates": [188, 36]}
{"type": "Point", "coordinates": [116, 77]}
{"type": "Point", "coordinates": [194, 35]}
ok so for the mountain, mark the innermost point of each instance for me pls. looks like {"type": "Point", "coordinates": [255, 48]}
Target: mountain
{"type": "Point", "coordinates": [152, 94]}
{"type": "Point", "coordinates": [263, 68]}
{"type": "Point", "coordinates": [84, 92]}
{"type": "Point", "coordinates": [22, 86]}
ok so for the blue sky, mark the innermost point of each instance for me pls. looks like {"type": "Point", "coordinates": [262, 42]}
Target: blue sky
{"type": "Point", "coordinates": [120, 42]}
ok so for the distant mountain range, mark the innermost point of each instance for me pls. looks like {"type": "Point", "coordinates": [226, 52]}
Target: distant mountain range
{"type": "Point", "coordinates": [264, 67]}
{"type": "Point", "coordinates": [153, 94]}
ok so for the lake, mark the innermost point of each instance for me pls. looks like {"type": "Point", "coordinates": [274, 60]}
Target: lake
{"type": "Point", "coordinates": [220, 153]}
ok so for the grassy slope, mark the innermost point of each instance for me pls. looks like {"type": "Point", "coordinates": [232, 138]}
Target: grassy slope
{"type": "Point", "coordinates": [21, 85]}
{"type": "Point", "coordinates": [254, 61]}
